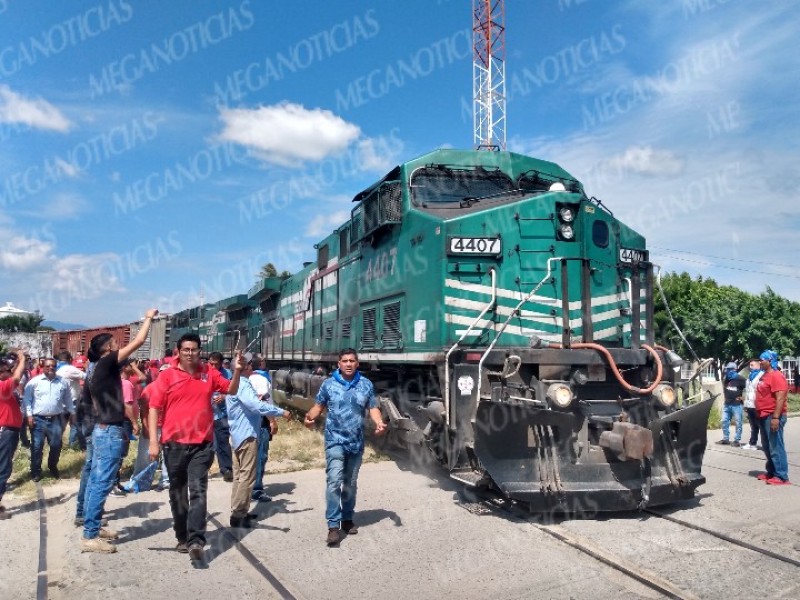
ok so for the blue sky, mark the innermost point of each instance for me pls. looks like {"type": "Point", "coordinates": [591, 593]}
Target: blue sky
{"type": "Point", "coordinates": [151, 153]}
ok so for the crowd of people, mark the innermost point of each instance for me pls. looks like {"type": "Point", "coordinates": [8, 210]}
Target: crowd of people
{"type": "Point", "coordinates": [184, 411]}
{"type": "Point", "coordinates": [763, 395]}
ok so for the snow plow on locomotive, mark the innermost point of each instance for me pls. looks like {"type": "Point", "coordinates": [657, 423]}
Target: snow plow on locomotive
{"type": "Point", "coordinates": [506, 320]}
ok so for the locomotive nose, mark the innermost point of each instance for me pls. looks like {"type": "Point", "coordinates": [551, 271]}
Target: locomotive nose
{"type": "Point", "coordinates": [547, 459]}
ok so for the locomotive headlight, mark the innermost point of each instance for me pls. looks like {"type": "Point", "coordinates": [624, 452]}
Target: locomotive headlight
{"type": "Point", "coordinates": [560, 395]}
{"type": "Point", "coordinates": [665, 395]}
{"type": "Point", "coordinates": [566, 232]}
{"type": "Point", "coordinates": [566, 215]}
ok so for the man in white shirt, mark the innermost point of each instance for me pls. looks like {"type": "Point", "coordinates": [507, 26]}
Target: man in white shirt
{"type": "Point", "coordinates": [74, 375]}
{"type": "Point", "coordinates": [47, 397]}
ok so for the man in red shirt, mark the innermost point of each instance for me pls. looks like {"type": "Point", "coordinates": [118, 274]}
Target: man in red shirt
{"type": "Point", "coordinates": [771, 408]}
{"type": "Point", "coordinates": [183, 394]}
{"type": "Point", "coordinates": [10, 419]}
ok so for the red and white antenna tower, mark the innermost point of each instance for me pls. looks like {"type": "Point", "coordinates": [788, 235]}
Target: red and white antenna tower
{"type": "Point", "coordinates": [489, 74]}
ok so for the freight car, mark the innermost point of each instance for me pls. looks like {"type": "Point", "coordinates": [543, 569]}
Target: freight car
{"type": "Point", "coordinates": [506, 319]}
{"type": "Point", "coordinates": [76, 341]}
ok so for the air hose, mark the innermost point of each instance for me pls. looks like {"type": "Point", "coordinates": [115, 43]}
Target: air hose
{"type": "Point", "coordinates": [631, 388]}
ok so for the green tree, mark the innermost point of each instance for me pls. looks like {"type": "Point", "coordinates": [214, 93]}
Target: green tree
{"type": "Point", "coordinates": [26, 323]}
{"type": "Point", "coordinates": [723, 322]}
{"type": "Point", "coordinates": [267, 271]}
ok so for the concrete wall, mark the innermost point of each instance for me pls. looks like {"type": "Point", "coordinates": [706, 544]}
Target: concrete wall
{"type": "Point", "coordinates": [36, 344]}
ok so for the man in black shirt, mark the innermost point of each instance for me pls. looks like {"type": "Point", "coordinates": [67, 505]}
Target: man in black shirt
{"type": "Point", "coordinates": [734, 392]}
{"type": "Point", "coordinates": [110, 411]}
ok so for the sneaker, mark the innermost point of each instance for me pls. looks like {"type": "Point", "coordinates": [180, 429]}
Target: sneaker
{"type": "Point", "coordinates": [108, 534]}
{"type": "Point", "coordinates": [777, 481]}
{"type": "Point", "coordinates": [97, 545]}
{"type": "Point", "coordinates": [55, 474]}
{"type": "Point", "coordinates": [349, 527]}
{"type": "Point", "coordinates": [118, 491]}
{"type": "Point", "coordinates": [735, 444]}
{"type": "Point", "coordinates": [261, 497]}
{"type": "Point", "coordinates": [196, 552]}
{"type": "Point", "coordinates": [747, 447]}
{"type": "Point", "coordinates": [754, 447]}
{"type": "Point", "coordinates": [162, 485]}
{"type": "Point", "coordinates": [182, 548]}
{"type": "Point", "coordinates": [4, 514]}
{"type": "Point", "coordinates": [723, 442]}
{"type": "Point", "coordinates": [227, 476]}
{"type": "Point", "coordinates": [36, 478]}
{"type": "Point", "coordinates": [763, 476]}
{"type": "Point", "coordinates": [333, 537]}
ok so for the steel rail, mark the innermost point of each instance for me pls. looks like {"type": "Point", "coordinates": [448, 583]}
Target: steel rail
{"type": "Point", "coordinates": [724, 537]}
{"type": "Point", "coordinates": [41, 577]}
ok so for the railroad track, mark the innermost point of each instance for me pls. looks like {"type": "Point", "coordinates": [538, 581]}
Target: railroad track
{"type": "Point", "coordinates": [42, 581]}
{"type": "Point", "coordinates": [585, 545]}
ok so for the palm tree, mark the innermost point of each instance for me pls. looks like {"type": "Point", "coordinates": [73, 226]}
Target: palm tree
{"type": "Point", "coordinates": [267, 271]}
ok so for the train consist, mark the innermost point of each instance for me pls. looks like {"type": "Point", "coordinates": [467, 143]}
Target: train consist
{"type": "Point", "coordinates": [506, 320]}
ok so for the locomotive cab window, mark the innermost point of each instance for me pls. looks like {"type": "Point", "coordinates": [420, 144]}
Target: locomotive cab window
{"type": "Point", "coordinates": [600, 234]}
{"type": "Point", "coordinates": [344, 241]}
{"type": "Point", "coordinates": [322, 256]}
{"type": "Point", "coordinates": [439, 185]}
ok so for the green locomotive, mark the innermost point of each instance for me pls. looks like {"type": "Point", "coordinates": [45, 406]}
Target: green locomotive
{"type": "Point", "coordinates": [506, 320]}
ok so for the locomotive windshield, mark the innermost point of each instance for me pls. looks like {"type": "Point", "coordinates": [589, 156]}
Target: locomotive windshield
{"type": "Point", "coordinates": [440, 185]}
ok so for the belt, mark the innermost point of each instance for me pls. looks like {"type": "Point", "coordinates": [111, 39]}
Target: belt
{"type": "Point", "coordinates": [48, 417]}
{"type": "Point", "coordinates": [4, 428]}
{"type": "Point", "coordinates": [106, 425]}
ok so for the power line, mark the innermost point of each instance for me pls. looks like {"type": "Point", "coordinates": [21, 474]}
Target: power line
{"type": "Point", "coordinates": [706, 263]}
{"type": "Point", "coordinates": [758, 262]}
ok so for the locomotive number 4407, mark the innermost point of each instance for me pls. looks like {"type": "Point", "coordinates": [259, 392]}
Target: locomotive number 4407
{"type": "Point", "coordinates": [475, 245]}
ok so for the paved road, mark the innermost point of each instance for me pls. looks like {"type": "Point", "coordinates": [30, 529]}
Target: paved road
{"type": "Point", "coordinates": [418, 541]}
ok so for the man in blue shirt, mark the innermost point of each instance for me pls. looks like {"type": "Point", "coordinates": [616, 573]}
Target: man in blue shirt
{"type": "Point", "coordinates": [47, 397]}
{"type": "Point", "coordinates": [245, 410]}
{"type": "Point", "coordinates": [222, 436]}
{"type": "Point", "coordinates": [347, 395]}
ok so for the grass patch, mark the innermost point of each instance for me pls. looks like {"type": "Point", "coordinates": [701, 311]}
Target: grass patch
{"type": "Point", "coordinates": [714, 418]}
{"type": "Point", "coordinates": [294, 448]}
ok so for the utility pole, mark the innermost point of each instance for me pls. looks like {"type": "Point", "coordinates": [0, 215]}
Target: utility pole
{"type": "Point", "coordinates": [489, 74]}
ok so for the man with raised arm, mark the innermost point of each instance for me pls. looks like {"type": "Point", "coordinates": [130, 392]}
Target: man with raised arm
{"type": "Point", "coordinates": [104, 387]}
{"type": "Point", "coordinates": [183, 394]}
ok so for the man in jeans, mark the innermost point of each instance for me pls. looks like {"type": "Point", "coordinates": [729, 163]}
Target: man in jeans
{"type": "Point", "coordinates": [734, 390]}
{"type": "Point", "coordinates": [183, 394]}
{"type": "Point", "coordinates": [347, 395]}
{"type": "Point", "coordinates": [108, 435]}
{"type": "Point", "coordinates": [10, 419]}
{"type": "Point", "coordinates": [47, 397]}
{"type": "Point", "coordinates": [771, 403]}
{"type": "Point", "coordinates": [222, 433]}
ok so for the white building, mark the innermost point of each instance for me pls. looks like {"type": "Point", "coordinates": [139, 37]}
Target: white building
{"type": "Point", "coordinates": [9, 310]}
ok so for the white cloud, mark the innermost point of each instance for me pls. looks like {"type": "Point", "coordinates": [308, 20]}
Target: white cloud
{"type": "Point", "coordinates": [64, 206]}
{"type": "Point", "coordinates": [645, 160]}
{"type": "Point", "coordinates": [87, 276]}
{"type": "Point", "coordinates": [288, 134]}
{"type": "Point", "coordinates": [37, 113]}
{"type": "Point", "coordinates": [22, 253]}
{"type": "Point", "coordinates": [378, 154]}
{"type": "Point", "coordinates": [324, 224]}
